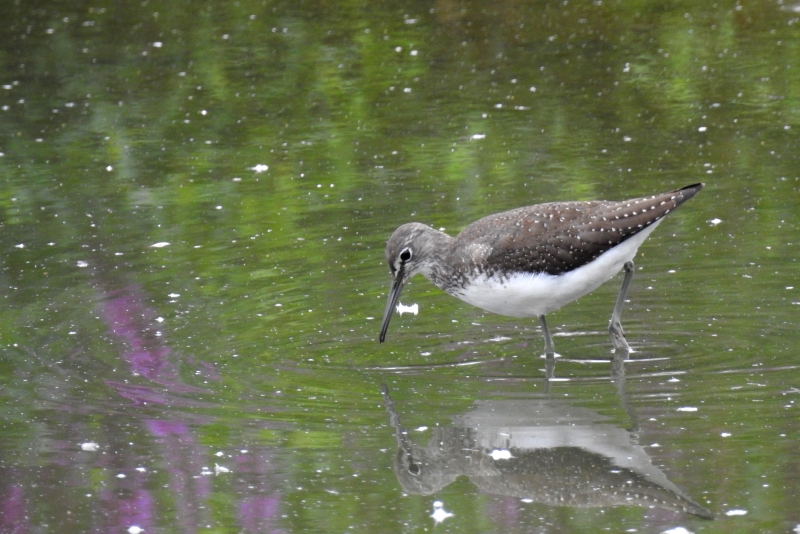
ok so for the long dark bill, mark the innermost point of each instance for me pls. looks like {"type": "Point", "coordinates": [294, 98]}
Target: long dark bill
{"type": "Point", "coordinates": [391, 303]}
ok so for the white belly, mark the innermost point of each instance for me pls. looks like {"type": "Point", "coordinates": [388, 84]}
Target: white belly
{"type": "Point", "coordinates": [532, 295]}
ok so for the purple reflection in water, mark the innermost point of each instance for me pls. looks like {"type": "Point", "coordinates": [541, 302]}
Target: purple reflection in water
{"type": "Point", "coordinates": [135, 323]}
{"type": "Point", "coordinates": [186, 460]}
{"type": "Point", "coordinates": [128, 507]}
{"type": "Point", "coordinates": [149, 445]}
{"type": "Point", "coordinates": [259, 504]}
{"type": "Point", "coordinates": [14, 509]}
{"type": "Point", "coordinates": [257, 512]}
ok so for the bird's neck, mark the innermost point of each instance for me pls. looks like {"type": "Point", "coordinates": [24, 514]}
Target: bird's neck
{"type": "Point", "coordinates": [441, 266]}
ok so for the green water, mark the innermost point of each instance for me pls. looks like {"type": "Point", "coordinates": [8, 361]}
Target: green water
{"type": "Point", "coordinates": [194, 202]}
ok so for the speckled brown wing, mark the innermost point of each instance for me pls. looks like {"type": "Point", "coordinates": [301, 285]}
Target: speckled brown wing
{"type": "Point", "coordinates": [561, 236]}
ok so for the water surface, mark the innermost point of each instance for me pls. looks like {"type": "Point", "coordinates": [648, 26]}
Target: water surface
{"type": "Point", "coordinates": [193, 207]}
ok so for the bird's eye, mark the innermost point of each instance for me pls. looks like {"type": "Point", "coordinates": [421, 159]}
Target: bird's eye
{"type": "Point", "coordinates": [405, 255]}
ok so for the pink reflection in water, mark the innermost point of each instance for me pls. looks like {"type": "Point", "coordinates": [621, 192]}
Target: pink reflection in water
{"type": "Point", "coordinates": [135, 323]}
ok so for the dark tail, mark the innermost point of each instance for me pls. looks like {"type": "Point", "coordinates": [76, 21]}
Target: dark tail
{"type": "Point", "coordinates": [688, 192]}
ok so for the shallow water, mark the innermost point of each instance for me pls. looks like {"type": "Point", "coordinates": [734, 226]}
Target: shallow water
{"type": "Point", "coordinates": [195, 202]}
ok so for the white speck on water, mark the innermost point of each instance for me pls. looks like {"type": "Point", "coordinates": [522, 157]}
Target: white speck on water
{"type": "Point", "coordinates": [278, 305]}
{"type": "Point", "coordinates": [158, 44]}
{"type": "Point", "coordinates": [218, 207]}
{"type": "Point", "coordinates": [736, 511]}
{"type": "Point", "coordinates": [160, 244]}
{"type": "Point", "coordinates": [413, 309]}
{"type": "Point", "coordinates": [406, 89]}
{"type": "Point", "coordinates": [260, 168]}
{"type": "Point", "coordinates": [677, 530]}
{"type": "Point", "coordinates": [21, 245]}
{"type": "Point", "coordinates": [439, 513]}
{"type": "Point", "coordinates": [526, 500]}
{"type": "Point", "coordinates": [627, 139]}
{"type": "Point", "coordinates": [90, 446]}
{"type": "Point", "coordinates": [121, 475]}
{"type": "Point", "coordinates": [702, 129]}
{"type": "Point", "coordinates": [134, 529]}
{"type": "Point", "coordinates": [81, 263]}
{"type": "Point", "coordinates": [672, 271]}
{"type": "Point", "coordinates": [174, 295]}
{"type": "Point", "coordinates": [501, 454]}
{"type": "Point", "coordinates": [687, 409]}
{"type": "Point", "coordinates": [425, 354]}
{"type": "Point", "coordinates": [396, 49]}
{"type": "Point", "coordinates": [725, 434]}
{"type": "Point", "coordinates": [655, 445]}
{"type": "Point", "coordinates": [219, 469]}
{"type": "Point", "coordinates": [714, 221]}
{"type": "Point", "coordinates": [421, 429]}
{"type": "Point", "coordinates": [109, 168]}
{"type": "Point", "coordinates": [478, 136]}
{"type": "Point", "coordinates": [414, 52]}
{"type": "Point", "coordinates": [673, 379]}
{"type": "Point", "coordinates": [160, 319]}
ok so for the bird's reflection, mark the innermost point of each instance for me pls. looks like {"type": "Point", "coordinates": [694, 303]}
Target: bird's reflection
{"type": "Point", "coordinates": [617, 369]}
{"type": "Point", "coordinates": [542, 450]}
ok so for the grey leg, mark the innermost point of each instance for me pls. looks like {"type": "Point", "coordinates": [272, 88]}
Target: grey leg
{"type": "Point", "coordinates": [549, 349]}
{"type": "Point", "coordinates": [615, 325]}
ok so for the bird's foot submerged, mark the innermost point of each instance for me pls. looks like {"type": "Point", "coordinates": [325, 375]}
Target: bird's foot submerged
{"type": "Point", "coordinates": [618, 338]}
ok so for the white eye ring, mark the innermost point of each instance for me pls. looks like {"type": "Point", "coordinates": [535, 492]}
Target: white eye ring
{"type": "Point", "coordinates": [405, 255]}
